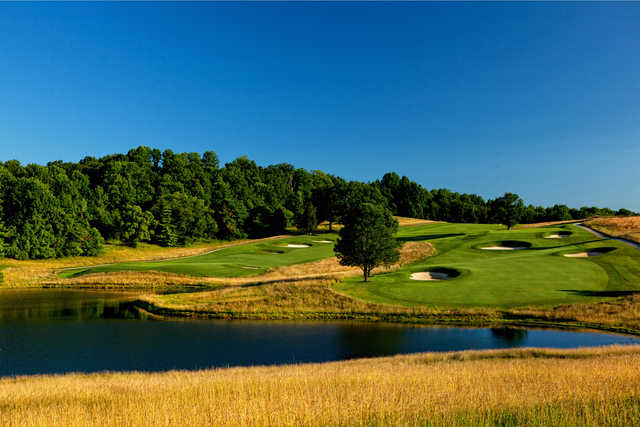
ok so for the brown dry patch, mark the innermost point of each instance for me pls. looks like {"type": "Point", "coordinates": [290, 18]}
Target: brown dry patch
{"type": "Point", "coordinates": [402, 222]}
{"type": "Point", "coordinates": [547, 224]}
{"type": "Point", "coordinates": [624, 227]}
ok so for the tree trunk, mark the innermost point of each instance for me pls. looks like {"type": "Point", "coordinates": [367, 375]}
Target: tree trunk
{"type": "Point", "coordinates": [330, 226]}
{"type": "Point", "coordinates": [365, 271]}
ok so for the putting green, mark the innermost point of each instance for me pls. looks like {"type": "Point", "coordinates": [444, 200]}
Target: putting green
{"type": "Point", "coordinates": [537, 275]}
{"type": "Point", "coordinates": [235, 261]}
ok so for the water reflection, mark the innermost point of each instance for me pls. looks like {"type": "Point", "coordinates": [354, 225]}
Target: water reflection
{"type": "Point", "coordinates": [66, 304]}
{"type": "Point", "coordinates": [367, 340]}
{"type": "Point", "coordinates": [56, 331]}
{"type": "Point", "coordinates": [514, 337]}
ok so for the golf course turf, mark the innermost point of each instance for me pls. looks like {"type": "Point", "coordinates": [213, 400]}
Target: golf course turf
{"type": "Point", "coordinates": [235, 261]}
{"type": "Point", "coordinates": [537, 275]}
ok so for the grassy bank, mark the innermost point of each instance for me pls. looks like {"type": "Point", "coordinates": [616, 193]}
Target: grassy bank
{"type": "Point", "coordinates": [316, 300]}
{"type": "Point", "coordinates": [506, 387]}
{"type": "Point", "coordinates": [625, 227]}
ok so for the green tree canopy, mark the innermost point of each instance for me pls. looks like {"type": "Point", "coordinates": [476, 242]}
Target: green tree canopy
{"type": "Point", "coordinates": [508, 209]}
{"type": "Point", "coordinates": [366, 240]}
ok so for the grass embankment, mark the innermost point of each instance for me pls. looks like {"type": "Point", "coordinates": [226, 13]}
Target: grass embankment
{"type": "Point", "coordinates": [316, 300]}
{"type": "Point", "coordinates": [506, 387]}
{"type": "Point", "coordinates": [626, 227]}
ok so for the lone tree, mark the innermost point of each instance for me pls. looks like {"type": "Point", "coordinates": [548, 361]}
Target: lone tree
{"type": "Point", "coordinates": [307, 220]}
{"type": "Point", "coordinates": [366, 240]}
{"type": "Point", "coordinates": [508, 209]}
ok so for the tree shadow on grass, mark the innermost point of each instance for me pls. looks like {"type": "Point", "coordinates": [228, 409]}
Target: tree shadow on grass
{"type": "Point", "coordinates": [600, 293]}
{"type": "Point", "coordinates": [428, 237]}
{"type": "Point", "coordinates": [542, 248]}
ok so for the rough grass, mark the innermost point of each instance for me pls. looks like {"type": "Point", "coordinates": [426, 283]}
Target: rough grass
{"type": "Point", "coordinates": [506, 387]}
{"type": "Point", "coordinates": [626, 227]}
{"type": "Point", "coordinates": [538, 275]}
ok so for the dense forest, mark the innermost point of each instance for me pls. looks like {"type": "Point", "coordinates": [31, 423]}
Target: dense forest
{"type": "Point", "coordinates": [173, 199]}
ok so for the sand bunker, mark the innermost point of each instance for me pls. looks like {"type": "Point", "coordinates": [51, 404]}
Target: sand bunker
{"type": "Point", "coordinates": [504, 248]}
{"type": "Point", "coordinates": [588, 254]}
{"type": "Point", "coordinates": [323, 241]}
{"type": "Point", "coordinates": [291, 245]}
{"type": "Point", "coordinates": [249, 267]}
{"type": "Point", "coordinates": [558, 236]}
{"type": "Point", "coordinates": [430, 275]}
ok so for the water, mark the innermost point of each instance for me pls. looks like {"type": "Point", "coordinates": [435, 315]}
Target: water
{"type": "Point", "coordinates": [56, 331]}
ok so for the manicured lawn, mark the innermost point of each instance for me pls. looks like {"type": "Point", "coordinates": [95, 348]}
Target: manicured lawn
{"type": "Point", "coordinates": [235, 261]}
{"type": "Point", "coordinates": [539, 275]}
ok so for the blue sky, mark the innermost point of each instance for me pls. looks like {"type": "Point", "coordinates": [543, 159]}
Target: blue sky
{"type": "Point", "coordinates": [541, 99]}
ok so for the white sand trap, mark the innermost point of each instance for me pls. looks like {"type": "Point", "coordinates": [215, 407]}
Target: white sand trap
{"type": "Point", "coordinates": [426, 275]}
{"type": "Point", "coordinates": [249, 267]}
{"type": "Point", "coordinates": [584, 254]}
{"type": "Point", "coordinates": [557, 236]}
{"type": "Point", "coordinates": [322, 241]}
{"type": "Point", "coordinates": [503, 248]}
{"type": "Point", "coordinates": [291, 245]}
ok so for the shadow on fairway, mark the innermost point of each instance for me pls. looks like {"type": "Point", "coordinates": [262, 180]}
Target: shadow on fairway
{"type": "Point", "coordinates": [544, 248]}
{"type": "Point", "coordinates": [428, 237]}
{"type": "Point", "coordinates": [601, 294]}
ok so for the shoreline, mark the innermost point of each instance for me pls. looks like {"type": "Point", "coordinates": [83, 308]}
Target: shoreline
{"type": "Point", "coordinates": [471, 318]}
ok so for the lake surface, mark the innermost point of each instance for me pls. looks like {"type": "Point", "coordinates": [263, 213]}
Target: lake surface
{"type": "Point", "coordinates": [56, 331]}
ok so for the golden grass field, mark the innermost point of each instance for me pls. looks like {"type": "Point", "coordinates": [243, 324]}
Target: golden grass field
{"type": "Point", "coordinates": [599, 386]}
{"type": "Point", "coordinates": [625, 227]}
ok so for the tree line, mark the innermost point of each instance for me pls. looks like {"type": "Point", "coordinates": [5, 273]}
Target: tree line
{"type": "Point", "coordinates": [173, 199]}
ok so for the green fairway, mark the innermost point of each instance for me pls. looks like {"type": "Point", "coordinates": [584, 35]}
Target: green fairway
{"type": "Point", "coordinates": [235, 261]}
{"type": "Point", "coordinates": [538, 275]}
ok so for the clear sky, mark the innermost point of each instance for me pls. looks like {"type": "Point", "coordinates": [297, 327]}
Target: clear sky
{"type": "Point", "coordinates": [541, 99]}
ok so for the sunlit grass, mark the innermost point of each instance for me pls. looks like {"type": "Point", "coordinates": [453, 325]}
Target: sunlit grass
{"type": "Point", "coordinates": [506, 387]}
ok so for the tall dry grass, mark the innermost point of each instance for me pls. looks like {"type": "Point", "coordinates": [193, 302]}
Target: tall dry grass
{"type": "Point", "coordinates": [508, 387]}
{"type": "Point", "coordinates": [625, 227]}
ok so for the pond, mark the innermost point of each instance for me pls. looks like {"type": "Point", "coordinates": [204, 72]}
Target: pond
{"type": "Point", "coordinates": [56, 331]}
